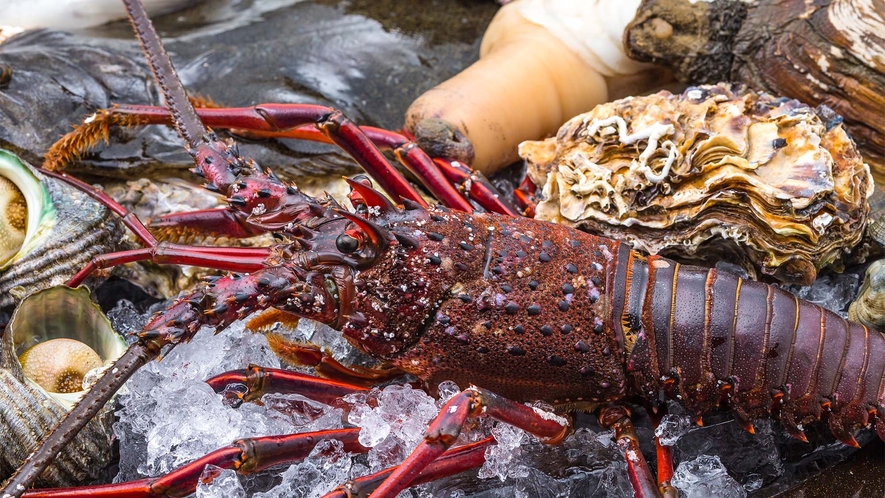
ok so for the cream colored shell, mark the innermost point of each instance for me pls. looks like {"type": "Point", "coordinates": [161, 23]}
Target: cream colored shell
{"type": "Point", "coordinates": [718, 172]}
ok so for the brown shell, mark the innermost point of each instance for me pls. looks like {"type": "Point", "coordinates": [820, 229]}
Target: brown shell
{"type": "Point", "coordinates": [754, 179]}
{"type": "Point", "coordinates": [828, 52]}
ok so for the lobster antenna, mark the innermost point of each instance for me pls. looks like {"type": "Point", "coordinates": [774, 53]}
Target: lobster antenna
{"type": "Point", "coordinates": [184, 116]}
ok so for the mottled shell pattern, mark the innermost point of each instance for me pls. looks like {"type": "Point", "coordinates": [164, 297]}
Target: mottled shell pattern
{"type": "Point", "coordinates": [717, 172]}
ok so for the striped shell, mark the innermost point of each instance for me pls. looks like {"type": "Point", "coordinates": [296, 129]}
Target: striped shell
{"type": "Point", "coordinates": [716, 173]}
{"type": "Point", "coordinates": [65, 229]}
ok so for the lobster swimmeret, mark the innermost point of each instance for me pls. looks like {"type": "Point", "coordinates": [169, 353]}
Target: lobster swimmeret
{"type": "Point", "coordinates": [529, 310]}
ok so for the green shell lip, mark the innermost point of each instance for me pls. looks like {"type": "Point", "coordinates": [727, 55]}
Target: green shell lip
{"type": "Point", "coordinates": [41, 213]}
{"type": "Point", "coordinates": [64, 312]}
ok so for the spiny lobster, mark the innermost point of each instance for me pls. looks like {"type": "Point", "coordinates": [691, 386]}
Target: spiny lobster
{"type": "Point", "coordinates": [527, 310]}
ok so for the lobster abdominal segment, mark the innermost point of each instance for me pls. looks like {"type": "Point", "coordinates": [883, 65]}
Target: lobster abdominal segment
{"type": "Point", "coordinates": [758, 347]}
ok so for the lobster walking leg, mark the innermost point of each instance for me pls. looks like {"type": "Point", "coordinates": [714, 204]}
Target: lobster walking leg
{"type": "Point", "coordinates": [309, 355]}
{"type": "Point", "coordinates": [294, 121]}
{"type": "Point", "coordinates": [453, 461]}
{"type": "Point", "coordinates": [244, 456]}
{"type": "Point", "coordinates": [258, 381]}
{"type": "Point", "coordinates": [618, 418]}
{"type": "Point", "coordinates": [232, 258]}
{"type": "Point", "coordinates": [444, 430]}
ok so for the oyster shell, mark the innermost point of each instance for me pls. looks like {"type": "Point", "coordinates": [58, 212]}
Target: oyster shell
{"type": "Point", "coordinates": [828, 52]}
{"type": "Point", "coordinates": [49, 230]}
{"type": "Point", "coordinates": [718, 172]}
{"type": "Point", "coordinates": [27, 411]}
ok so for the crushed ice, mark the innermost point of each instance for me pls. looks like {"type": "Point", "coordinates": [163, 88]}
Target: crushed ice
{"type": "Point", "coordinates": [705, 476]}
{"type": "Point", "coordinates": [171, 417]}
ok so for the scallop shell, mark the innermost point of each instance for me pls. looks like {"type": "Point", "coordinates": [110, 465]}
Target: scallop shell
{"type": "Point", "coordinates": [65, 229]}
{"type": "Point", "coordinates": [718, 172]}
{"type": "Point", "coordinates": [28, 412]}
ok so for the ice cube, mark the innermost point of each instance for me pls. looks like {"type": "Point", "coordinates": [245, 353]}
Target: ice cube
{"type": "Point", "coordinates": [705, 476]}
{"type": "Point", "coordinates": [672, 427]}
{"type": "Point", "coordinates": [216, 482]}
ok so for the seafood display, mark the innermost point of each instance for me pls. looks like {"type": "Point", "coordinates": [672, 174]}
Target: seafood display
{"type": "Point", "coordinates": [512, 309]}
{"type": "Point", "coordinates": [48, 231]}
{"type": "Point", "coordinates": [57, 338]}
{"type": "Point", "coordinates": [830, 52]}
{"type": "Point", "coordinates": [715, 173]}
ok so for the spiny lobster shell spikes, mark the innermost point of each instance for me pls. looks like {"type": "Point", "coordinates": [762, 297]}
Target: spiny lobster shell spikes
{"type": "Point", "coordinates": [718, 172]}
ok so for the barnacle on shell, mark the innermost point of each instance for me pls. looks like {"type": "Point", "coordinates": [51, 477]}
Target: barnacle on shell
{"type": "Point", "coordinates": [717, 172]}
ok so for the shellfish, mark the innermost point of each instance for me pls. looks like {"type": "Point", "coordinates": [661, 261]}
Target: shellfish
{"type": "Point", "coordinates": [825, 52]}
{"type": "Point", "coordinates": [869, 307]}
{"type": "Point", "coordinates": [48, 230]}
{"type": "Point", "coordinates": [717, 172]}
{"type": "Point", "coordinates": [27, 411]}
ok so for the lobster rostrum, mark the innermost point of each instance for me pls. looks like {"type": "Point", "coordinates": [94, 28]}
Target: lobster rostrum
{"type": "Point", "coordinates": [524, 309]}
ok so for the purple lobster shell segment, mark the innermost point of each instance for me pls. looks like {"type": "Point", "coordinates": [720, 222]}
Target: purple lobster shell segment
{"type": "Point", "coordinates": [718, 172]}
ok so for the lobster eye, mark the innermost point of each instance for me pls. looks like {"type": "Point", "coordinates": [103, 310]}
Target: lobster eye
{"type": "Point", "coordinates": [347, 244]}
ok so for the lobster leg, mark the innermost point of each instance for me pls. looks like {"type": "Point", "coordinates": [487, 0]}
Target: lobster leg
{"type": "Point", "coordinates": [444, 430]}
{"type": "Point", "coordinates": [232, 258]}
{"type": "Point", "coordinates": [664, 455]}
{"type": "Point", "coordinates": [286, 121]}
{"type": "Point", "coordinates": [473, 185]}
{"type": "Point", "coordinates": [242, 259]}
{"type": "Point", "coordinates": [453, 461]}
{"type": "Point", "coordinates": [244, 456]}
{"type": "Point", "coordinates": [618, 418]}
{"type": "Point", "coordinates": [309, 355]}
{"type": "Point", "coordinates": [258, 381]}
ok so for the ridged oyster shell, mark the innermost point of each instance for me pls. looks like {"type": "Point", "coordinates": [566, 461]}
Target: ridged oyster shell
{"type": "Point", "coordinates": [27, 412]}
{"type": "Point", "coordinates": [718, 172]}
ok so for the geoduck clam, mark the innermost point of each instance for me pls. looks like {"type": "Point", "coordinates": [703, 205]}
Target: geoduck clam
{"type": "Point", "coordinates": [48, 230]}
{"type": "Point", "coordinates": [28, 411]}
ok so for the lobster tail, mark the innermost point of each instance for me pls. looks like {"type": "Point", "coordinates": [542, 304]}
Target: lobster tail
{"type": "Point", "coordinates": [757, 347]}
